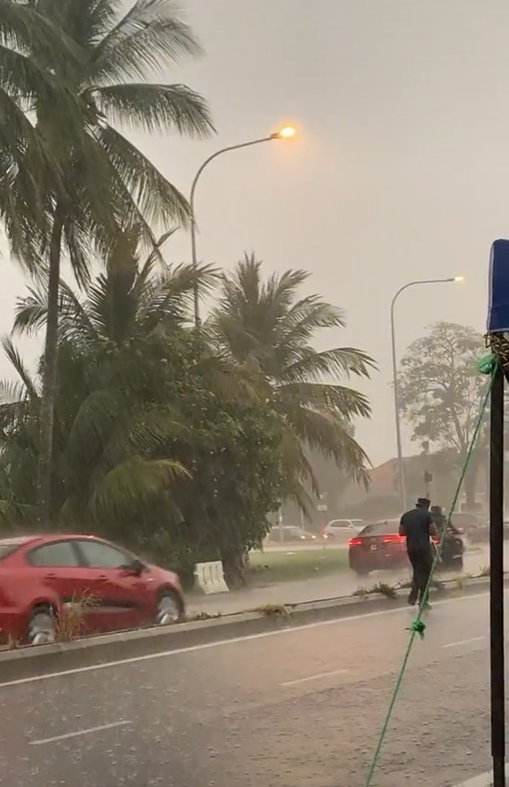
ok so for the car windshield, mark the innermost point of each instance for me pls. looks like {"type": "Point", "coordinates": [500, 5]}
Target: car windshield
{"type": "Point", "coordinates": [380, 528]}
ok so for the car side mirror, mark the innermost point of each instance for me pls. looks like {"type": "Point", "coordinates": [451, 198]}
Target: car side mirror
{"type": "Point", "coordinates": [136, 567]}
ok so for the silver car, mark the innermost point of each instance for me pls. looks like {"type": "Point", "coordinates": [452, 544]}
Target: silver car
{"type": "Point", "coordinates": [342, 530]}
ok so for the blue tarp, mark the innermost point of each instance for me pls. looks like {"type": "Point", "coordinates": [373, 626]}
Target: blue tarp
{"type": "Point", "coordinates": [498, 304]}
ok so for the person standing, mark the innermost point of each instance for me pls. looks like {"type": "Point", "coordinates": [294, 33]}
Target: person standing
{"type": "Point", "coordinates": [417, 527]}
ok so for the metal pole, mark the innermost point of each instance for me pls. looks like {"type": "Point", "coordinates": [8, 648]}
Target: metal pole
{"type": "Point", "coordinates": [194, 258]}
{"type": "Point", "coordinates": [401, 464]}
{"type": "Point", "coordinates": [401, 468]}
{"type": "Point", "coordinates": [497, 654]}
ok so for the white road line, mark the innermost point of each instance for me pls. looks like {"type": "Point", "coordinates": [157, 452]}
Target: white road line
{"type": "Point", "coordinates": [79, 733]}
{"type": "Point", "coordinates": [484, 780]}
{"type": "Point", "coordinates": [313, 677]}
{"type": "Point", "coordinates": [225, 642]}
{"type": "Point", "coordinates": [461, 642]}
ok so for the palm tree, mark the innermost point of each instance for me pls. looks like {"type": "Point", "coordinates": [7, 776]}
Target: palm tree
{"type": "Point", "coordinates": [141, 401]}
{"type": "Point", "coordinates": [134, 297]}
{"type": "Point", "coordinates": [266, 326]}
{"type": "Point", "coordinates": [99, 181]}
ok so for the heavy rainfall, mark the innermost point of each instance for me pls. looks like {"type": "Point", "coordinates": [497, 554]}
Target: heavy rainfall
{"type": "Point", "coordinates": [248, 529]}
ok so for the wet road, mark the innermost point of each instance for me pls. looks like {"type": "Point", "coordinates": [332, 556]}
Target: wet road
{"type": "Point", "coordinates": [300, 708]}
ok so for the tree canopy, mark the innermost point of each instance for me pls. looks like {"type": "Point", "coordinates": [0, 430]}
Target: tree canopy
{"type": "Point", "coordinates": [441, 393]}
{"type": "Point", "coordinates": [72, 179]}
{"type": "Point", "coordinates": [267, 326]}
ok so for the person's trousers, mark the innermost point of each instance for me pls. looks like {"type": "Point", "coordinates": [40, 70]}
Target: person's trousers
{"type": "Point", "coordinates": [422, 563]}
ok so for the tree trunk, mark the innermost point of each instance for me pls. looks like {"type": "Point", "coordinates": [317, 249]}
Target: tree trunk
{"type": "Point", "coordinates": [49, 376]}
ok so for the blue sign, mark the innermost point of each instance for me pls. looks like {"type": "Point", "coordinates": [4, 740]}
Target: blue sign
{"type": "Point", "coordinates": [498, 304]}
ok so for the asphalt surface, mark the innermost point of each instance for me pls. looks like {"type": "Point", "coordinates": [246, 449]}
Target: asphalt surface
{"type": "Point", "coordinates": [300, 708]}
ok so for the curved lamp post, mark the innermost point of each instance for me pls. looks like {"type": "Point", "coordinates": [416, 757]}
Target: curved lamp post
{"type": "Point", "coordinates": [284, 133]}
{"type": "Point", "coordinates": [401, 468]}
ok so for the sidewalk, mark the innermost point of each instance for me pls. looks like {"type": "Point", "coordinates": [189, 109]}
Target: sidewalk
{"type": "Point", "coordinates": [341, 584]}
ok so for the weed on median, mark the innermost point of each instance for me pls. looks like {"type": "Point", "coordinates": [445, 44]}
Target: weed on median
{"type": "Point", "coordinates": [274, 610]}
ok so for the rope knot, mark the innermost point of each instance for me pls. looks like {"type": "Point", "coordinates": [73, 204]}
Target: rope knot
{"type": "Point", "coordinates": [417, 627]}
{"type": "Point", "coordinates": [487, 363]}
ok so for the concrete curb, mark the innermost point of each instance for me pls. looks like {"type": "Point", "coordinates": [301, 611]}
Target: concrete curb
{"type": "Point", "coordinates": [30, 662]}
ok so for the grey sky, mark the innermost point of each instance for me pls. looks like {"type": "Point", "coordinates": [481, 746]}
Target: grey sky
{"type": "Point", "coordinates": [400, 171]}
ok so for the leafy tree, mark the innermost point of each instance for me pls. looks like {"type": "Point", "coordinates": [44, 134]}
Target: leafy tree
{"type": "Point", "coordinates": [159, 442]}
{"type": "Point", "coordinates": [441, 393]}
{"type": "Point", "coordinates": [267, 327]}
{"type": "Point", "coordinates": [92, 179]}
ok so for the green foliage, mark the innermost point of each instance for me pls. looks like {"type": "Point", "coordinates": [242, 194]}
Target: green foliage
{"type": "Point", "coordinates": [70, 179]}
{"type": "Point", "coordinates": [441, 392]}
{"type": "Point", "coordinates": [440, 387]}
{"type": "Point", "coordinates": [156, 442]}
{"type": "Point", "coordinates": [267, 327]}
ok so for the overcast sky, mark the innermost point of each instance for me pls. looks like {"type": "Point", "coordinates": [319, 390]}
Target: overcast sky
{"type": "Point", "coordinates": [400, 170]}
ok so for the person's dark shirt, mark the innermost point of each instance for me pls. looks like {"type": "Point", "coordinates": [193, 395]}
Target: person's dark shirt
{"type": "Point", "coordinates": [415, 526]}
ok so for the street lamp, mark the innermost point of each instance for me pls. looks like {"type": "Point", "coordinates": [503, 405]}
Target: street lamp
{"type": "Point", "coordinates": [401, 467]}
{"type": "Point", "coordinates": [287, 132]}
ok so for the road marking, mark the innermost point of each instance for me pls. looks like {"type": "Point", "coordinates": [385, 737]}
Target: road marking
{"type": "Point", "coordinates": [461, 642]}
{"type": "Point", "coordinates": [484, 780]}
{"type": "Point", "coordinates": [314, 677]}
{"type": "Point", "coordinates": [224, 642]}
{"type": "Point", "coordinates": [79, 733]}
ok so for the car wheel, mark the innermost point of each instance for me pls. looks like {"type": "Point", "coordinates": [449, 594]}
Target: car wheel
{"type": "Point", "coordinates": [362, 573]}
{"type": "Point", "coordinates": [42, 628]}
{"type": "Point", "coordinates": [170, 608]}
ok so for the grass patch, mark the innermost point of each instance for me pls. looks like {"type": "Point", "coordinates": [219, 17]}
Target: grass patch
{"type": "Point", "coordinates": [270, 567]}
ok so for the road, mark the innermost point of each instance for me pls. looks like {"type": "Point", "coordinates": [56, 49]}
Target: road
{"type": "Point", "coordinates": [298, 708]}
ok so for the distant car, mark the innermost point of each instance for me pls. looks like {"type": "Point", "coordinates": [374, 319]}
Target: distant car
{"type": "Point", "coordinates": [289, 533]}
{"type": "Point", "coordinates": [43, 577]}
{"type": "Point", "coordinates": [379, 546]}
{"type": "Point", "coordinates": [342, 530]}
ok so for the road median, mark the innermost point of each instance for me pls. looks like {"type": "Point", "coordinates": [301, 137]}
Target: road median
{"type": "Point", "coordinates": [27, 663]}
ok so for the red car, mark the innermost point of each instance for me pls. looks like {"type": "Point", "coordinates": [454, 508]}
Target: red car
{"type": "Point", "coordinates": [379, 546]}
{"type": "Point", "coordinates": [43, 578]}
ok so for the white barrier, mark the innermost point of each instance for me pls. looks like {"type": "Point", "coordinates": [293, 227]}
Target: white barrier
{"type": "Point", "coordinates": [210, 577]}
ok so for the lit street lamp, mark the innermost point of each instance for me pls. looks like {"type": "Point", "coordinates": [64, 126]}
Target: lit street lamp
{"type": "Point", "coordinates": [401, 468]}
{"type": "Point", "coordinates": [284, 133]}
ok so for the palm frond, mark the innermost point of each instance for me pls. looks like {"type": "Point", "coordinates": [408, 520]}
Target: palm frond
{"type": "Point", "coordinates": [151, 37]}
{"type": "Point", "coordinates": [308, 364]}
{"type": "Point", "coordinates": [128, 485]}
{"type": "Point", "coordinates": [346, 402]}
{"type": "Point", "coordinates": [154, 108]}
{"type": "Point", "coordinates": [14, 356]}
{"type": "Point", "coordinates": [157, 199]}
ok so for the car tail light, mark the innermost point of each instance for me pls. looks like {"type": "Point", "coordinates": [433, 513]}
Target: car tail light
{"type": "Point", "coordinates": [354, 542]}
{"type": "Point", "coordinates": [393, 539]}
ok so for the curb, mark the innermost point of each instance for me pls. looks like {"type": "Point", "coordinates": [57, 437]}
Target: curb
{"type": "Point", "coordinates": [30, 662]}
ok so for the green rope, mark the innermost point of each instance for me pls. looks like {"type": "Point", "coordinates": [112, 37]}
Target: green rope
{"type": "Point", "coordinates": [486, 365]}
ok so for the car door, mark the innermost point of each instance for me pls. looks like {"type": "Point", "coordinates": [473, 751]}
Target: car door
{"type": "Point", "coordinates": [123, 599]}
{"type": "Point", "coordinates": [57, 567]}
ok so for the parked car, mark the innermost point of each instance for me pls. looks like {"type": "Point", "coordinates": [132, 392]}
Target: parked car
{"type": "Point", "coordinates": [343, 530]}
{"type": "Point", "coordinates": [287, 533]}
{"type": "Point", "coordinates": [43, 578]}
{"type": "Point", "coordinates": [379, 546]}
